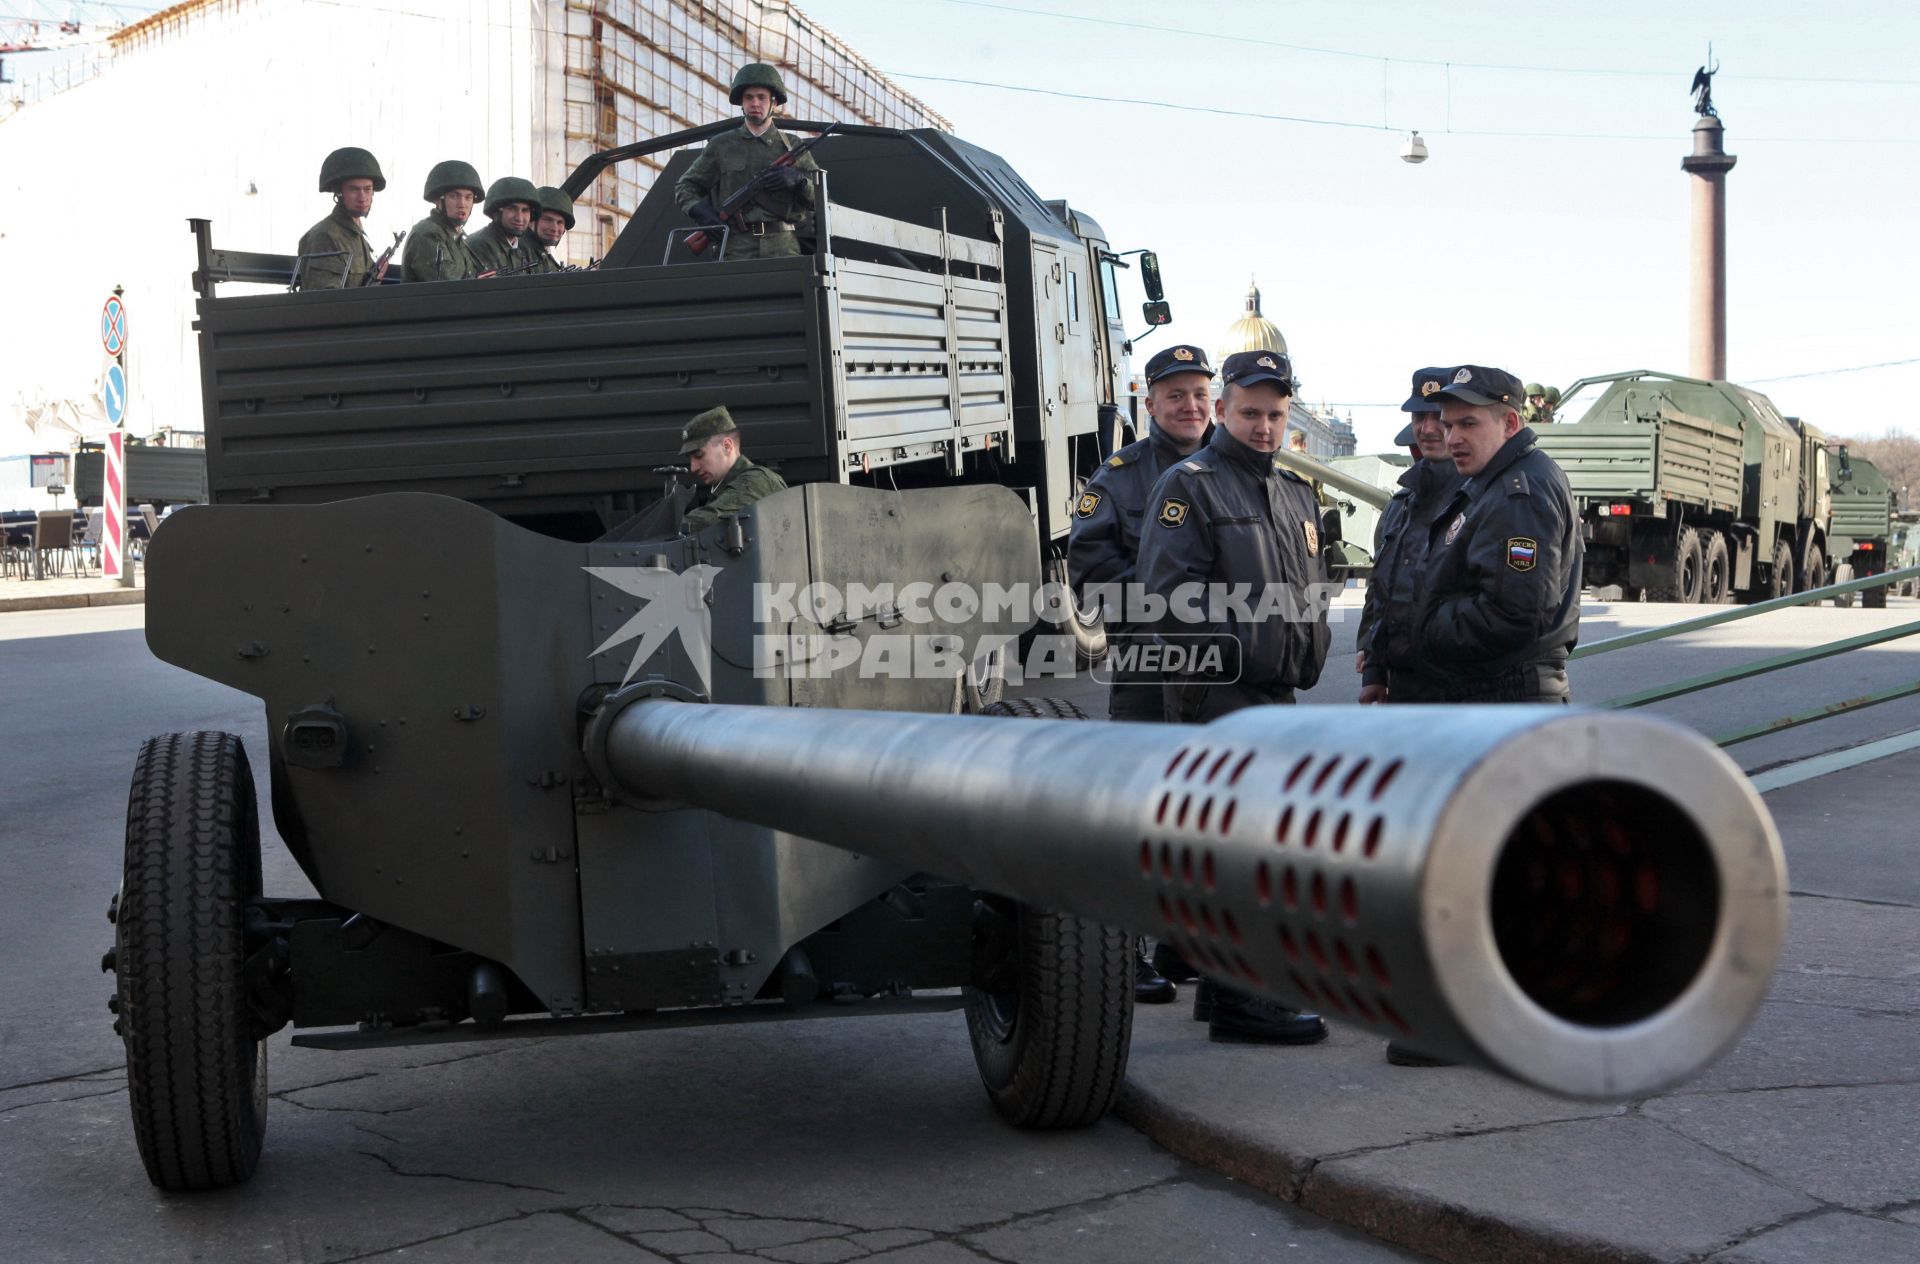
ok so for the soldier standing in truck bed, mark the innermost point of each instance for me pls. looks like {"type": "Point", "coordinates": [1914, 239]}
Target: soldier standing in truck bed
{"type": "Point", "coordinates": [732, 160]}
{"type": "Point", "coordinates": [506, 243]}
{"type": "Point", "coordinates": [437, 247]}
{"type": "Point", "coordinates": [334, 253]}
{"type": "Point", "coordinates": [729, 482]}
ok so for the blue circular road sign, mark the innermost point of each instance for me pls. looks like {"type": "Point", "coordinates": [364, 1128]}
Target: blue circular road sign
{"type": "Point", "coordinates": [113, 391]}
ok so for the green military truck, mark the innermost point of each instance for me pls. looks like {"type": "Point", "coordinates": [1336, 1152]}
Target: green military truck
{"type": "Point", "coordinates": [1862, 526]}
{"type": "Point", "coordinates": [156, 475]}
{"type": "Point", "coordinates": [1692, 490]}
{"type": "Point", "coordinates": [1905, 550]}
{"type": "Point", "coordinates": [946, 325]}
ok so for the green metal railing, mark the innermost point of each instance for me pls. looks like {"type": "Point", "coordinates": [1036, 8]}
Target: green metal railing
{"type": "Point", "coordinates": [1792, 658]}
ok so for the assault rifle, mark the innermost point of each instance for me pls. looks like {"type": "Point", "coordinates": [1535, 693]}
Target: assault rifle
{"type": "Point", "coordinates": [733, 210]}
{"type": "Point", "coordinates": [385, 261]}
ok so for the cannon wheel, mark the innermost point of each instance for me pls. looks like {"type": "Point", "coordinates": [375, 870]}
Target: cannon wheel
{"type": "Point", "coordinates": [1052, 1043]}
{"type": "Point", "coordinates": [196, 1065]}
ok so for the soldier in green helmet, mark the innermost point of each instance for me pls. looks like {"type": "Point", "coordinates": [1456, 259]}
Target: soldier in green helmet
{"type": "Point", "coordinates": [729, 482]}
{"type": "Point", "coordinates": [334, 253]}
{"type": "Point", "coordinates": [437, 247]}
{"type": "Point", "coordinates": [734, 159]}
{"type": "Point", "coordinates": [1552, 406]}
{"type": "Point", "coordinates": [506, 244]}
{"type": "Point", "coordinates": [550, 225]}
{"type": "Point", "coordinates": [1536, 400]}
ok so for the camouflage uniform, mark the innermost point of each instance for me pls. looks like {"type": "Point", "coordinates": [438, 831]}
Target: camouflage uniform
{"type": "Point", "coordinates": [728, 163]}
{"type": "Point", "coordinates": [543, 260]}
{"type": "Point", "coordinates": [437, 250]}
{"type": "Point", "coordinates": [492, 253]}
{"type": "Point", "coordinates": [349, 257]}
{"type": "Point", "coordinates": [744, 484]}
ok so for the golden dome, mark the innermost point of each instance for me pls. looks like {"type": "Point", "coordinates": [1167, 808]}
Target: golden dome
{"type": "Point", "coordinates": [1253, 332]}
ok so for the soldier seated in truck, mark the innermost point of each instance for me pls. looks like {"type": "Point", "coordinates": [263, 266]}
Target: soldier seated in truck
{"type": "Point", "coordinates": [729, 482]}
{"type": "Point", "coordinates": [334, 253]}
{"type": "Point", "coordinates": [764, 227]}
{"type": "Point", "coordinates": [437, 247]}
{"type": "Point", "coordinates": [505, 244]}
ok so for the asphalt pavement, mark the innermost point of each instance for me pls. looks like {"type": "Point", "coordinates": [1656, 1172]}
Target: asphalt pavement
{"type": "Point", "coordinates": [869, 1138]}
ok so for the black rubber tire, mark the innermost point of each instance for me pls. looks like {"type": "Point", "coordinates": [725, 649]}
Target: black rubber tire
{"type": "Point", "coordinates": [1052, 1052]}
{"type": "Point", "coordinates": [985, 680]}
{"type": "Point", "coordinates": [1813, 570]}
{"type": "Point", "coordinates": [1035, 709]}
{"type": "Point", "coordinates": [1780, 582]}
{"type": "Point", "coordinates": [1686, 568]}
{"type": "Point", "coordinates": [196, 1067]}
{"type": "Point", "coordinates": [1874, 598]}
{"type": "Point", "coordinates": [1716, 570]}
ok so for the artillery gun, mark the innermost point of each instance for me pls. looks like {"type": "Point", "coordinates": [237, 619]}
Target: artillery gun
{"type": "Point", "coordinates": [552, 770]}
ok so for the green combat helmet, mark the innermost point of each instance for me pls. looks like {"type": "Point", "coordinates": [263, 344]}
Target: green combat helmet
{"type": "Point", "coordinates": [714, 421]}
{"type": "Point", "coordinates": [1553, 397]}
{"type": "Point", "coordinates": [758, 75]}
{"type": "Point", "coordinates": [452, 174]}
{"type": "Point", "coordinates": [511, 189]}
{"type": "Point", "coordinates": [556, 200]}
{"type": "Point", "coordinates": [1534, 388]}
{"type": "Point", "coordinates": [350, 164]}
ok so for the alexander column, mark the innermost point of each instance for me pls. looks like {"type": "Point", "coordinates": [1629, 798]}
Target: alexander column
{"type": "Point", "coordinates": [1708, 164]}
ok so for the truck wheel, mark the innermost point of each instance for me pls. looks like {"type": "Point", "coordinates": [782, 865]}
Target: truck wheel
{"type": "Point", "coordinates": [1687, 561]}
{"type": "Point", "coordinates": [1874, 598]}
{"type": "Point", "coordinates": [1716, 571]}
{"type": "Point", "coordinates": [985, 681]}
{"type": "Point", "coordinates": [1780, 583]}
{"type": "Point", "coordinates": [1051, 1016]}
{"type": "Point", "coordinates": [196, 1067]}
{"type": "Point", "coordinates": [1813, 570]}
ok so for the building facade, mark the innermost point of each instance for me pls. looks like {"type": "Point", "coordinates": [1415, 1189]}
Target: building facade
{"type": "Point", "coordinates": [1327, 435]}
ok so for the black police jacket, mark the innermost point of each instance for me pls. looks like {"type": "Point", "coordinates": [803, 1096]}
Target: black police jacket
{"type": "Point", "coordinates": [1104, 543]}
{"type": "Point", "coordinates": [1503, 570]}
{"type": "Point", "coordinates": [1389, 622]}
{"type": "Point", "coordinates": [1227, 517]}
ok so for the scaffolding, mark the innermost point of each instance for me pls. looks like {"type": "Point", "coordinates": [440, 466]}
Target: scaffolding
{"type": "Point", "coordinates": [641, 68]}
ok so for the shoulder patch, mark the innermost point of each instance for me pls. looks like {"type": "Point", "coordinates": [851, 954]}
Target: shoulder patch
{"type": "Point", "coordinates": [1173, 512]}
{"type": "Point", "coordinates": [1089, 502]}
{"type": "Point", "coordinates": [1522, 552]}
{"type": "Point", "coordinates": [1117, 460]}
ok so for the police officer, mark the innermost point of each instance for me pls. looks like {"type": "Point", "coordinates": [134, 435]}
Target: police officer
{"type": "Point", "coordinates": [1501, 607]}
{"type": "Point", "coordinates": [437, 247]}
{"type": "Point", "coordinates": [1105, 539]}
{"type": "Point", "coordinates": [1388, 625]}
{"type": "Point", "coordinates": [505, 244]}
{"type": "Point", "coordinates": [335, 253]}
{"type": "Point", "coordinates": [1231, 515]}
{"type": "Point", "coordinates": [735, 159]}
{"type": "Point", "coordinates": [550, 227]}
{"type": "Point", "coordinates": [1102, 549]}
{"type": "Point", "coordinates": [729, 482]}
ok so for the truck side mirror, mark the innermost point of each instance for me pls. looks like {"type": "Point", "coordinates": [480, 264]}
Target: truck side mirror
{"type": "Point", "coordinates": [1150, 277]}
{"type": "Point", "coordinates": [1846, 470]}
{"type": "Point", "coordinates": [1157, 313]}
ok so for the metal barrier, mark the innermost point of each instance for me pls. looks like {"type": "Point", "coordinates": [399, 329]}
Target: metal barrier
{"type": "Point", "coordinates": [1792, 658]}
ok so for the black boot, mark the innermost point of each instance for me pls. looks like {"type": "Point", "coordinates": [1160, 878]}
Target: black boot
{"type": "Point", "coordinates": [1404, 1055]}
{"type": "Point", "coordinates": [1168, 961]}
{"type": "Point", "coordinates": [1241, 1017]}
{"type": "Point", "coordinates": [1149, 987]}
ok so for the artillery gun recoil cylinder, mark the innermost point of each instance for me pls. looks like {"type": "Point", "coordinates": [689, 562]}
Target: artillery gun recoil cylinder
{"type": "Point", "coordinates": [1526, 894]}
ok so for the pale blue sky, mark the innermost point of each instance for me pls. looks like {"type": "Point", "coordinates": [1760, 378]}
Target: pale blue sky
{"type": "Point", "coordinates": [1553, 256]}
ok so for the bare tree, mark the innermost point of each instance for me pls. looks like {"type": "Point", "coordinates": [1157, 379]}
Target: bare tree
{"type": "Point", "coordinates": [1897, 456]}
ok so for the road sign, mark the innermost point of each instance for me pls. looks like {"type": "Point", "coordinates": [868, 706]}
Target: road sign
{"type": "Point", "coordinates": [113, 326]}
{"type": "Point", "coordinates": [113, 392]}
{"type": "Point", "coordinates": [113, 499]}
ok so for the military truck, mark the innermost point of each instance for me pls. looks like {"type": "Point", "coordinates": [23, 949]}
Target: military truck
{"type": "Point", "coordinates": [1862, 526]}
{"type": "Point", "coordinates": [156, 475]}
{"type": "Point", "coordinates": [1693, 490]}
{"type": "Point", "coordinates": [1906, 550]}
{"type": "Point", "coordinates": [948, 327]}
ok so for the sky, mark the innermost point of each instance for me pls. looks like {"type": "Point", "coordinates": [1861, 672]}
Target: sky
{"type": "Point", "coordinates": [1548, 231]}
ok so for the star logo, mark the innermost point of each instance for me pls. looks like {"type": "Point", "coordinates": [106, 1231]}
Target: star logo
{"type": "Point", "coordinates": [675, 601]}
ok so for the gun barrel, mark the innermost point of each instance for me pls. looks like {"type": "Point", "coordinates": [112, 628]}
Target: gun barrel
{"type": "Point", "coordinates": [1511, 886]}
{"type": "Point", "coordinates": [1306, 467]}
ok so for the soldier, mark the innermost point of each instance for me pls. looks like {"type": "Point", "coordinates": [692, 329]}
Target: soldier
{"type": "Point", "coordinates": [1106, 542]}
{"type": "Point", "coordinates": [1550, 412]}
{"type": "Point", "coordinates": [729, 482]}
{"type": "Point", "coordinates": [335, 253]}
{"type": "Point", "coordinates": [1536, 403]}
{"type": "Point", "coordinates": [550, 227]}
{"type": "Point", "coordinates": [1501, 607]}
{"type": "Point", "coordinates": [437, 247]}
{"type": "Point", "coordinates": [505, 245]}
{"type": "Point", "coordinates": [1242, 530]}
{"type": "Point", "coordinates": [735, 159]}
{"type": "Point", "coordinates": [1387, 623]}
